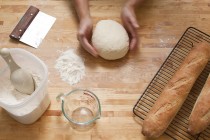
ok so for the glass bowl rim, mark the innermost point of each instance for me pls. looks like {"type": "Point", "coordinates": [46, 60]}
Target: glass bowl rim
{"type": "Point", "coordinates": [98, 114]}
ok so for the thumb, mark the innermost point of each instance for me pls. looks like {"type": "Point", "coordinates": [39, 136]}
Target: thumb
{"type": "Point", "coordinates": [134, 22]}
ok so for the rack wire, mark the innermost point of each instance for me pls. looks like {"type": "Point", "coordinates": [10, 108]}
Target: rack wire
{"type": "Point", "coordinates": [178, 127]}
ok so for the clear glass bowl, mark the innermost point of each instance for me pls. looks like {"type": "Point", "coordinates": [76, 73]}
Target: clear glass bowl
{"type": "Point", "coordinates": [81, 108]}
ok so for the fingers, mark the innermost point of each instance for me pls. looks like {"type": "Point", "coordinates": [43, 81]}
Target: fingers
{"type": "Point", "coordinates": [134, 36]}
{"type": "Point", "coordinates": [133, 43]}
{"type": "Point", "coordinates": [134, 23]}
{"type": "Point", "coordinates": [130, 23]}
{"type": "Point", "coordinates": [132, 33]}
{"type": "Point", "coordinates": [84, 37]}
{"type": "Point", "coordinates": [87, 46]}
{"type": "Point", "coordinates": [90, 48]}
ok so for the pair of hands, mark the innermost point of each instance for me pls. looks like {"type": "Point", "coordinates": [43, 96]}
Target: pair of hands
{"type": "Point", "coordinates": [129, 21]}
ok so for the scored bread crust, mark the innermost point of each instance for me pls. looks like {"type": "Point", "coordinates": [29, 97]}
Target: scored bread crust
{"type": "Point", "coordinates": [200, 116]}
{"type": "Point", "coordinates": [176, 91]}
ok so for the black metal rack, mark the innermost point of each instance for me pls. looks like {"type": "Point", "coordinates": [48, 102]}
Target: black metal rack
{"type": "Point", "coordinates": [179, 125]}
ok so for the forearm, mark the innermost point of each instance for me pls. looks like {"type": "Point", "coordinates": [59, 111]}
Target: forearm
{"type": "Point", "coordinates": [82, 8]}
{"type": "Point", "coordinates": [133, 3]}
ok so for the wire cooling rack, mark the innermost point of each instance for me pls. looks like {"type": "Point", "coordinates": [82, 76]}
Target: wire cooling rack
{"type": "Point", "coordinates": [178, 127]}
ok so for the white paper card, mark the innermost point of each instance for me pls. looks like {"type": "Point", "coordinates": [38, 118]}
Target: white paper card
{"type": "Point", "coordinates": [38, 29]}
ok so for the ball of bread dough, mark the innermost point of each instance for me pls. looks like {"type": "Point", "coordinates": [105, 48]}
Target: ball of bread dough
{"type": "Point", "coordinates": [110, 39]}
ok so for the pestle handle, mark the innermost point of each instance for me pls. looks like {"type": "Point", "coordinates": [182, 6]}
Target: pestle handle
{"type": "Point", "coordinates": [4, 52]}
{"type": "Point", "coordinates": [21, 80]}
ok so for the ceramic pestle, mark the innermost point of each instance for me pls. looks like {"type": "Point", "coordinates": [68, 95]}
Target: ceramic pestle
{"type": "Point", "coordinates": [21, 80]}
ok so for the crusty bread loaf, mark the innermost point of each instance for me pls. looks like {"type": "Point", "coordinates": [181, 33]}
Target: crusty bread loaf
{"type": "Point", "coordinates": [200, 116]}
{"type": "Point", "coordinates": [176, 91]}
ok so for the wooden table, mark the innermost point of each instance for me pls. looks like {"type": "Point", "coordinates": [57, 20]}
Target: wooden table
{"type": "Point", "coordinates": [118, 84]}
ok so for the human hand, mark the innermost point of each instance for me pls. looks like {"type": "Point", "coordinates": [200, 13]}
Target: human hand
{"type": "Point", "coordinates": [130, 23]}
{"type": "Point", "coordinates": [84, 35]}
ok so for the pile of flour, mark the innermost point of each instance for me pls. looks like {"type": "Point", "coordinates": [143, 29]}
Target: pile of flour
{"type": "Point", "coordinates": [71, 67]}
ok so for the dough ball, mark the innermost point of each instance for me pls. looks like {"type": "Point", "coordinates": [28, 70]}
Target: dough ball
{"type": "Point", "coordinates": [110, 39]}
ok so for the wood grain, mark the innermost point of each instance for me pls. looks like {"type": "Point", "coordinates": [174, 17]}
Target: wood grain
{"type": "Point", "coordinates": [118, 84]}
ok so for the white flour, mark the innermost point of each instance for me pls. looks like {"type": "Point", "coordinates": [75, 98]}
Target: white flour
{"type": "Point", "coordinates": [71, 67]}
{"type": "Point", "coordinates": [30, 112]}
{"type": "Point", "coordinates": [10, 96]}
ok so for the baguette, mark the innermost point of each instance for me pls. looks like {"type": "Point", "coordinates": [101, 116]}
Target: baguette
{"type": "Point", "coordinates": [200, 116]}
{"type": "Point", "coordinates": [176, 91]}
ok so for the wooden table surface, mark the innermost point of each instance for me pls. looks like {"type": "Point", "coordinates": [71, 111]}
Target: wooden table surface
{"type": "Point", "coordinates": [118, 84]}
